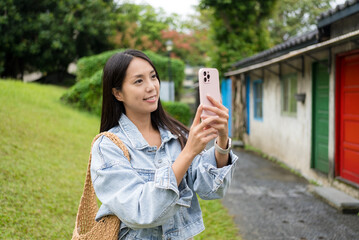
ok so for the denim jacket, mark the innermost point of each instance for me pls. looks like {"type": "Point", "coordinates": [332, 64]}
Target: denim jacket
{"type": "Point", "coordinates": [143, 193]}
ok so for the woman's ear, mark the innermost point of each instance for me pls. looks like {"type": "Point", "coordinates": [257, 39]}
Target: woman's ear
{"type": "Point", "coordinates": [117, 94]}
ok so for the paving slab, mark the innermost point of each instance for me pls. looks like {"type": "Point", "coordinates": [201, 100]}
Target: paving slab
{"type": "Point", "coordinates": [269, 202]}
{"type": "Point", "coordinates": [338, 199]}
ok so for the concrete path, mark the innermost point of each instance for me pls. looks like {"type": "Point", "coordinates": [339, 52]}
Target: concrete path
{"type": "Point", "coordinates": [271, 203]}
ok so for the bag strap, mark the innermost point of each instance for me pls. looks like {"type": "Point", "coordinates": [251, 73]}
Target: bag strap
{"type": "Point", "coordinates": [115, 140]}
{"type": "Point", "coordinates": [88, 203]}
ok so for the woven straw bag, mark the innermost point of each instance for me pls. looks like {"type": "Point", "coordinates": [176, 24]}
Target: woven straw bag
{"type": "Point", "coordinates": [86, 228]}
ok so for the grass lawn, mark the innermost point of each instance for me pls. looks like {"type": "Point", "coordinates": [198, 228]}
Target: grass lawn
{"type": "Point", "coordinates": [44, 147]}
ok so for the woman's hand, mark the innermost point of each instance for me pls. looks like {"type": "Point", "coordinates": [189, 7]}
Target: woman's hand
{"type": "Point", "coordinates": [201, 133]}
{"type": "Point", "coordinates": [221, 123]}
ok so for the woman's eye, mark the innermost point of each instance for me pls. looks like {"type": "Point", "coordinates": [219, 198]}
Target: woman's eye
{"type": "Point", "coordinates": [138, 81]}
{"type": "Point", "coordinates": [154, 76]}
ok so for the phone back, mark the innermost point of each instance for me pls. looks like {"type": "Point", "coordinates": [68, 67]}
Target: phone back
{"type": "Point", "coordinates": [208, 79]}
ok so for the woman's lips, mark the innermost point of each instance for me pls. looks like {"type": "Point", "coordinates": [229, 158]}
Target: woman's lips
{"type": "Point", "coordinates": [150, 99]}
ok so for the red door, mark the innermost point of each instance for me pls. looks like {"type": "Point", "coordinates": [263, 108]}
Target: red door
{"type": "Point", "coordinates": [348, 117]}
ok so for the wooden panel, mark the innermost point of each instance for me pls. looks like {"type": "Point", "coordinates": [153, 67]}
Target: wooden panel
{"type": "Point", "coordinates": [320, 134]}
{"type": "Point", "coordinates": [348, 142]}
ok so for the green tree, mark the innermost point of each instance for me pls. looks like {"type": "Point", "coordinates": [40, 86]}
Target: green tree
{"type": "Point", "coordinates": [140, 27]}
{"type": "Point", "coordinates": [294, 17]}
{"type": "Point", "coordinates": [47, 35]}
{"type": "Point", "coordinates": [146, 28]}
{"type": "Point", "coordinates": [238, 29]}
{"type": "Point", "coordinates": [197, 29]}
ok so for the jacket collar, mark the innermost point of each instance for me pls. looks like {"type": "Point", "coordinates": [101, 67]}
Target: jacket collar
{"type": "Point", "coordinates": [135, 137]}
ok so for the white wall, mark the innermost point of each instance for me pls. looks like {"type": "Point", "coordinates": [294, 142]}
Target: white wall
{"type": "Point", "coordinates": [289, 138]}
{"type": "Point", "coordinates": [284, 137]}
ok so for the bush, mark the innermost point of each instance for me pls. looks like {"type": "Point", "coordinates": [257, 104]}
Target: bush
{"type": "Point", "coordinates": [178, 110]}
{"type": "Point", "coordinates": [88, 66]}
{"type": "Point", "coordinates": [86, 94]}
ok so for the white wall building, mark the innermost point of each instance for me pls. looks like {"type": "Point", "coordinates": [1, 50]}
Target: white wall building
{"type": "Point", "coordinates": [299, 101]}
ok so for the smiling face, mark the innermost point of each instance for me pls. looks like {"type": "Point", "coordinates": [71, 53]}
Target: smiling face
{"type": "Point", "coordinates": [140, 90]}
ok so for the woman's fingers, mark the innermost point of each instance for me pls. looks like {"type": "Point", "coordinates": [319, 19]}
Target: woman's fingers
{"type": "Point", "coordinates": [217, 108]}
{"type": "Point", "coordinates": [197, 118]}
{"type": "Point", "coordinates": [221, 113]}
{"type": "Point", "coordinates": [206, 135]}
{"type": "Point", "coordinates": [199, 136]}
{"type": "Point", "coordinates": [219, 122]}
{"type": "Point", "coordinates": [207, 122]}
{"type": "Point", "coordinates": [216, 103]}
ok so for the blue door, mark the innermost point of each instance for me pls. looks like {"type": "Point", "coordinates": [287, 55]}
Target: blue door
{"type": "Point", "coordinates": [248, 90]}
{"type": "Point", "coordinates": [226, 91]}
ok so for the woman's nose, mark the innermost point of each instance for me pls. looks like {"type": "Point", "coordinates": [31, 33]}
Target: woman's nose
{"type": "Point", "coordinates": [150, 86]}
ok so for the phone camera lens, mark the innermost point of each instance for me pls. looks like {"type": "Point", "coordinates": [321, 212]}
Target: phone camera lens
{"type": "Point", "coordinates": [204, 73]}
{"type": "Point", "coordinates": [208, 76]}
{"type": "Point", "coordinates": [205, 79]}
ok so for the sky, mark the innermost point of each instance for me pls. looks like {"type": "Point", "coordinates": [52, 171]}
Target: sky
{"type": "Point", "coordinates": [181, 7]}
{"type": "Point", "coordinates": [184, 7]}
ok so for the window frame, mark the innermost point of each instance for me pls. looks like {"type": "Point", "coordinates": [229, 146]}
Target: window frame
{"type": "Point", "coordinates": [256, 100]}
{"type": "Point", "coordinates": [291, 80]}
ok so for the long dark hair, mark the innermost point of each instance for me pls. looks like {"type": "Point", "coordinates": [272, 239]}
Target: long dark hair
{"type": "Point", "coordinates": [114, 74]}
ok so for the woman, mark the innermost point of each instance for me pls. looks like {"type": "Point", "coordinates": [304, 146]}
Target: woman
{"type": "Point", "coordinates": [154, 195]}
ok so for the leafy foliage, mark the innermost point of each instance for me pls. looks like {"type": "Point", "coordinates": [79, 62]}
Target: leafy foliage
{"type": "Point", "coordinates": [187, 47]}
{"type": "Point", "coordinates": [178, 110]}
{"type": "Point", "coordinates": [293, 17]}
{"type": "Point", "coordinates": [88, 66]}
{"type": "Point", "coordinates": [140, 26]}
{"type": "Point", "coordinates": [86, 94]}
{"type": "Point", "coordinates": [145, 28]}
{"type": "Point", "coordinates": [238, 29]}
{"type": "Point", "coordinates": [47, 35]}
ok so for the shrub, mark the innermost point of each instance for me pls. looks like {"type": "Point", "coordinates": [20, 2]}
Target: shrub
{"type": "Point", "coordinates": [178, 110]}
{"type": "Point", "coordinates": [86, 94]}
{"type": "Point", "coordinates": [88, 66]}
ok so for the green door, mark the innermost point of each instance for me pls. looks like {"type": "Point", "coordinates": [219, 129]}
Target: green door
{"type": "Point", "coordinates": [320, 117]}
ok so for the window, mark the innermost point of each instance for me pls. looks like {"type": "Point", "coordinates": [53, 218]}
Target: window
{"type": "Point", "coordinates": [289, 89]}
{"type": "Point", "coordinates": [258, 99]}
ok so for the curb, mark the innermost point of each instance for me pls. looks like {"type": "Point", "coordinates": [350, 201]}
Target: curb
{"type": "Point", "coordinates": [337, 199]}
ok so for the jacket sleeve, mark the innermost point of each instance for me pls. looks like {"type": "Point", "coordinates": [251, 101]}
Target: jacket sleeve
{"type": "Point", "coordinates": [138, 203]}
{"type": "Point", "coordinates": [210, 182]}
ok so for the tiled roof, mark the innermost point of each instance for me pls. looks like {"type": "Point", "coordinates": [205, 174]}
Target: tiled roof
{"type": "Point", "coordinates": [337, 9]}
{"type": "Point", "coordinates": [291, 44]}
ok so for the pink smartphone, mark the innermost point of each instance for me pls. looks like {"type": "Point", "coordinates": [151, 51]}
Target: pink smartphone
{"type": "Point", "coordinates": [208, 80]}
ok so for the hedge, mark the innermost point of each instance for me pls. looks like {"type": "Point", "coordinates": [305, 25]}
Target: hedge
{"type": "Point", "coordinates": [178, 110]}
{"type": "Point", "coordinates": [86, 94]}
{"type": "Point", "coordinates": [88, 66]}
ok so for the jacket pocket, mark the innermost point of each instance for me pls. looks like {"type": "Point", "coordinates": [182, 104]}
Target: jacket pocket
{"type": "Point", "coordinates": [148, 175]}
